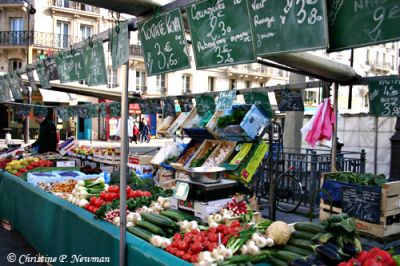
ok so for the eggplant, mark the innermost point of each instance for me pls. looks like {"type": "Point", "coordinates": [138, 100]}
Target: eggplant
{"type": "Point", "coordinates": [331, 246]}
{"type": "Point", "coordinates": [328, 255]}
{"type": "Point", "coordinates": [315, 260]}
{"type": "Point", "coordinates": [299, 262]}
{"type": "Point", "coordinates": [350, 250]}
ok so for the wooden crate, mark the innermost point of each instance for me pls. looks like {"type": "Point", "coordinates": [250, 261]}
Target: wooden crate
{"type": "Point", "coordinates": [205, 146]}
{"type": "Point", "coordinates": [230, 144]}
{"type": "Point", "coordinates": [390, 213]}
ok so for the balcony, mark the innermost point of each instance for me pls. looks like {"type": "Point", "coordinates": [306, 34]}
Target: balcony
{"type": "Point", "coordinates": [380, 65]}
{"type": "Point", "coordinates": [11, 2]}
{"type": "Point", "coordinates": [246, 71]}
{"type": "Point", "coordinates": [14, 38]}
{"type": "Point", "coordinates": [72, 7]}
{"type": "Point", "coordinates": [136, 50]}
{"type": "Point", "coordinates": [38, 39]}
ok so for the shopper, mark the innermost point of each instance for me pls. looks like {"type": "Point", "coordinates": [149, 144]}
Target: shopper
{"type": "Point", "coordinates": [145, 133]}
{"type": "Point", "coordinates": [136, 132]}
{"type": "Point", "coordinates": [47, 141]}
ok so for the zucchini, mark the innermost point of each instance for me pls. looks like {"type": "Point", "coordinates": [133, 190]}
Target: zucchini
{"type": "Point", "coordinates": [185, 215]}
{"type": "Point", "coordinates": [139, 232]}
{"type": "Point", "coordinates": [297, 250]}
{"type": "Point", "coordinates": [150, 227]}
{"type": "Point", "coordinates": [302, 235]}
{"type": "Point", "coordinates": [301, 243]}
{"type": "Point", "coordinates": [287, 255]}
{"type": "Point", "coordinates": [276, 262]}
{"type": "Point", "coordinates": [309, 227]}
{"type": "Point", "coordinates": [299, 262]}
{"type": "Point", "coordinates": [177, 217]}
{"type": "Point", "coordinates": [158, 220]}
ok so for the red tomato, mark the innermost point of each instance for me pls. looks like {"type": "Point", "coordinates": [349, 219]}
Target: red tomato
{"type": "Point", "coordinates": [194, 259]}
{"type": "Point", "coordinates": [168, 248]}
{"type": "Point", "coordinates": [212, 230]}
{"type": "Point", "coordinates": [187, 257]}
{"type": "Point", "coordinates": [108, 197]}
{"type": "Point", "coordinates": [103, 195]}
{"type": "Point", "coordinates": [99, 202]}
{"type": "Point", "coordinates": [194, 232]}
{"type": "Point", "coordinates": [92, 200]}
{"type": "Point", "coordinates": [221, 228]}
{"type": "Point", "coordinates": [174, 250]}
{"type": "Point", "coordinates": [179, 253]}
{"type": "Point", "coordinates": [177, 237]}
{"type": "Point", "coordinates": [198, 239]}
{"type": "Point", "coordinates": [130, 194]}
{"type": "Point", "coordinates": [139, 193]}
{"type": "Point", "coordinates": [87, 206]}
{"type": "Point", "coordinates": [95, 209]}
{"type": "Point", "coordinates": [213, 237]}
{"type": "Point", "coordinates": [371, 262]}
{"type": "Point", "coordinates": [235, 223]}
{"type": "Point", "coordinates": [197, 247]}
{"type": "Point", "coordinates": [147, 194]}
{"type": "Point", "coordinates": [226, 231]}
{"type": "Point", "coordinates": [233, 230]}
{"type": "Point", "coordinates": [362, 256]}
{"type": "Point", "coordinates": [206, 244]}
{"type": "Point", "coordinates": [225, 239]}
{"type": "Point", "coordinates": [113, 188]}
{"type": "Point", "coordinates": [182, 245]}
{"type": "Point", "coordinates": [212, 246]}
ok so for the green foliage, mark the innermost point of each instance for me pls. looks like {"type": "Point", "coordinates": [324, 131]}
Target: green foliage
{"type": "Point", "coordinates": [361, 179]}
{"type": "Point", "coordinates": [233, 119]}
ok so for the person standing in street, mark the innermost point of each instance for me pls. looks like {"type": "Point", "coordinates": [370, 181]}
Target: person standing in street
{"type": "Point", "coordinates": [47, 141]}
{"type": "Point", "coordinates": [135, 132]}
{"type": "Point", "coordinates": [145, 132]}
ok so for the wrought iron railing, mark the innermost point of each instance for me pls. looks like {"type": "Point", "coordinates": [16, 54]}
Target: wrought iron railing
{"type": "Point", "coordinates": [41, 39]}
{"type": "Point", "coordinates": [8, 2]}
{"type": "Point", "coordinates": [14, 37]}
{"type": "Point", "coordinates": [74, 5]}
{"type": "Point", "coordinates": [136, 50]}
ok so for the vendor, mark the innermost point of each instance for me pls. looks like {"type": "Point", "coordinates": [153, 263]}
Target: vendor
{"type": "Point", "coordinates": [47, 140]}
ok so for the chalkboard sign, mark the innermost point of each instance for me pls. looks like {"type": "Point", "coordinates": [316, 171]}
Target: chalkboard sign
{"type": "Point", "coordinates": [164, 44]}
{"type": "Point", "coordinates": [186, 104]}
{"type": "Point", "coordinates": [14, 87]}
{"type": "Point", "coordinates": [363, 202]}
{"type": "Point", "coordinates": [205, 104]}
{"type": "Point", "coordinates": [221, 33]}
{"type": "Point", "coordinates": [356, 23]}
{"type": "Point", "coordinates": [43, 78]}
{"type": "Point", "coordinates": [95, 64]}
{"type": "Point", "coordinates": [5, 95]}
{"type": "Point", "coordinates": [169, 107]}
{"type": "Point", "coordinates": [384, 97]}
{"type": "Point", "coordinates": [155, 106]}
{"type": "Point", "coordinates": [289, 100]}
{"type": "Point", "coordinates": [72, 66]}
{"type": "Point", "coordinates": [261, 100]}
{"type": "Point", "coordinates": [225, 100]}
{"type": "Point", "coordinates": [288, 26]}
{"type": "Point", "coordinates": [119, 41]}
{"type": "Point", "coordinates": [21, 84]}
{"type": "Point", "coordinates": [50, 67]}
{"type": "Point", "coordinates": [144, 107]}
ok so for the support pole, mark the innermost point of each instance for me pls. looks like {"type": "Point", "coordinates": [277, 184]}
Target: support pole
{"type": "Point", "coordinates": [124, 163]}
{"type": "Point", "coordinates": [334, 137]}
{"type": "Point", "coordinates": [28, 93]}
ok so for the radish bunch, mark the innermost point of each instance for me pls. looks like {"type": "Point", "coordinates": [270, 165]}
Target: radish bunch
{"type": "Point", "coordinates": [238, 208]}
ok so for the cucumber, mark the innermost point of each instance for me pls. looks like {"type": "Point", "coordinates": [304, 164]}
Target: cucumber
{"type": "Point", "coordinates": [276, 262]}
{"type": "Point", "coordinates": [302, 235]}
{"type": "Point", "coordinates": [150, 227]}
{"type": "Point", "coordinates": [177, 217]}
{"type": "Point", "coordinates": [297, 250]}
{"type": "Point", "coordinates": [287, 255]}
{"type": "Point", "coordinates": [186, 216]}
{"type": "Point", "coordinates": [309, 227]}
{"type": "Point", "coordinates": [141, 233]}
{"type": "Point", "coordinates": [301, 243]}
{"type": "Point", "coordinates": [158, 220]}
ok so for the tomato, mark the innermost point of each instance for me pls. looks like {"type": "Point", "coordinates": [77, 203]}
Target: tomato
{"type": "Point", "coordinates": [133, 193]}
{"type": "Point", "coordinates": [147, 194]}
{"type": "Point", "coordinates": [87, 206]}
{"type": "Point", "coordinates": [206, 244]}
{"type": "Point", "coordinates": [212, 230]}
{"type": "Point", "coordinates": [168, 248]}
{"type": "Point", "coordinates": [92, 200]}
{"type": "Point", "coordinates": [212, 246]}
{"type": "Point", "coordinates": [343, 264]}
{"type": "Point", "coordinates": [177, 237]}
{"type": "Point", "coordinates": [378, 255]}
{"type": "Point", "coordinates": [194, 232]}
{"type": "Point", "coordinates": [174, 250]}
{"type": "Point", "coordinates": [213, 237]}
{"type": "Point", "coordinates": [235, 223]}
{"type": "Point", "coordinates": [98, 202]}
{"type": "Point", "coordinates": [186, 257]}
{"type": "Point", "coordinates": [225, 239]}
{"type": "Point", "coordinates": [18, 174]}
{"type": "Point", "coordinates": [179, 253]}
{"type": "Point", "coordinates": [362, 256]}
{"type": "Point", "coordinates": [139, 193]}
{"type": "Point", "coordinates": [130, 194]}
{"type": "Point", "coordinates": [233, 230]}
{"type": "Point", "coordinates": [198, 239]}
{"type": "Point", "coordinates": [221, 228]}
{"type": "Point", "coordinates": [103, 195]}
{"type": "Point", "coordinates": [194, 259]}
{"type": "Point", "coordinates": [95, 209]}
{"type": "Point", "coordinates": [371, 262]}
{"type": "Point", "coordinates": [197, 247]}
{"type": "Point", "coordinates": [182, 245]}
{"type": "Point", "coordinates": [113, 188]}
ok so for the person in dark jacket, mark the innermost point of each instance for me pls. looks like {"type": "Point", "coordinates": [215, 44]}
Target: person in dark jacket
{"type": "Point", "coordinates": [47, 140]}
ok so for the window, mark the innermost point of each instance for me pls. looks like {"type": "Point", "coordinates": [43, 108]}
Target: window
{"type": "Point", "coordinates": [376, 57]}
{"type": "Point", "coordinates": [393, 63]}
{"type": "Point", "coordinates": [63, 3]}
{"type": "Point", "coordinates": [112, 78]}
{"type": "Point", "coordinates": [261, 84]}
{"type": "Point", "coordinates": [16, 28]}
{"type": "Point", "coordinates": [62, 34]}
{"type": "Point", "coordinates": [86, 32]}
{"type": "Point", "coordinates": [248, 83]}
{"type": "Point", "coordinates": [86, 8]}
{"type": "Point", "coordinates": [160, 84]}
{"type": "Point", "coordinates": [14, 64]}
{"type": "Point", "coordinates": [185, 84]}
{"type": "Point", "coordinates": [233, 84]}
{"type": "Point", "coordinates": [141, 81]}
{"type": "Point", "coordinates": [368, 57]}
{"type": "Point", "coordinates": [211, 83]}
{"type": "Point", "coordinates": [310, 97]}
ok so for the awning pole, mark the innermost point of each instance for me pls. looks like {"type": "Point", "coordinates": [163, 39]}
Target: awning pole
{"type": "Point", "coordinates": [123, 165]}
{"type": "Point", "coordinates": [334, 137]}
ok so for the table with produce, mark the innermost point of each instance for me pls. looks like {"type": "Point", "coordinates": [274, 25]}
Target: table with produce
{"type": "Point", "coordinates": [202, 220]}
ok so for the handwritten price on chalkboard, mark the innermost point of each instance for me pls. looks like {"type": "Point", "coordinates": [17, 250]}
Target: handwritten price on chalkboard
{"type": "Point", "coordinates": [165, 61]}
{"type": "Point", "coordinates": [302, 15]}
{"type": "Point", "coordinates": [379, 16]}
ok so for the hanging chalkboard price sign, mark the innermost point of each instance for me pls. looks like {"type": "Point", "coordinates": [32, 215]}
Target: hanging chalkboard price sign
{"type": "Point", "coordinates": [384, 97]}
{"type": "Point", "coordinates": [164, 44]}
{"type": "Point", "coordinates": [288, 26]}
{"type": "Point", "coordinates": [363, 202]}
{"type": "Point", "coordinates": [95, 63]}
{"type": "Point", "coordinates": [225, 100]}
{"type": "Point", "coordinates": [259, 99]}
{"type": "Point", "coordinates": [205, 104]}
{"type": "Point", "coordinates": [14, 87]}
{"type": "Point", "coordinates": [356, 23]}
{"type": "Point", "coordinates": [186, 104]}
{"type": "Point", "coordinates": [5, 95]}
{"type": "Point", "coordinates": [41, 72]}
{"type": "Point", "coordinates": [221, 33]}
{"type": "Point", "coordinates": [169, 107]}
{"type": "Point", "coordinates": [289, 100]}
{"type": "Point", "coordinates": [71, 66]}
{"type": "Point", "coordinates": [50, 68]}
{"type": "Point", "coordinates": [119, 41]}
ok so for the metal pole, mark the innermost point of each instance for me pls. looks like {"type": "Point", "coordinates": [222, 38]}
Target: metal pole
{"type": "Point", "coordinates": [28, 95]}
{"type": "Point", "coordinates": [351, 86]}
{"type": "Point", "coordinates": [272, 173]}
{"type": "Point", "coordinates": [123, 165]}
{"type": "Point", "coordinates": [334, 137]}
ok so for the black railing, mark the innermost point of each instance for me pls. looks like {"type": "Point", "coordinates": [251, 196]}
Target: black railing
{"type": "Point", "coordinates": [41, 39]}
{"type": "Point", "coordinates": [74, 5]}
{"type": "Point", "coordinates": [8, 2]}
{"type": "Point", "coordinates": [136, 50]}
{"type": "Point", "coordinates": [14, 37]}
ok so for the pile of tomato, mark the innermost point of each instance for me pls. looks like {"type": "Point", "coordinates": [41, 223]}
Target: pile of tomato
{"type": "Point", "coordinates": [188, 246]}
{"type": "Point", "coordinates": [374, 257]}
